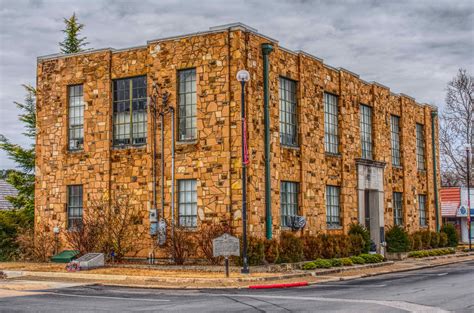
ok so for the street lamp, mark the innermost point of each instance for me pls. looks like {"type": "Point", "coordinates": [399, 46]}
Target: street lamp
{"type": "Point", "coordinates": [468, 178]}
{"type": "Point", "coordinates": [243, 76]}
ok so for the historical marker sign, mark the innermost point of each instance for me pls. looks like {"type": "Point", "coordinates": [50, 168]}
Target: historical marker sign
{"type": "Point", "coordinates": [226, 245]}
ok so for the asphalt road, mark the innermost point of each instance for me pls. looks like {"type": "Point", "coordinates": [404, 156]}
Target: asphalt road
{"type": "Point", "coordinates": [440, 289]}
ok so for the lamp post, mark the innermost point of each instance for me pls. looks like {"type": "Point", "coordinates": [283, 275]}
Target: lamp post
{"type": "Point", "coordinates": [468, 178]}
{"type": "Point", "coordinates": [243, 76]}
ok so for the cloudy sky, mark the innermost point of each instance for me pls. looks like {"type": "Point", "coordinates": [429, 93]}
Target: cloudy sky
{"type": "Point", "coordinates": [414, 47]}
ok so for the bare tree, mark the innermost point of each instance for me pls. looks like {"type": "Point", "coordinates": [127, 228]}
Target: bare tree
{"type": "Point", "coordinates": [456, 129]}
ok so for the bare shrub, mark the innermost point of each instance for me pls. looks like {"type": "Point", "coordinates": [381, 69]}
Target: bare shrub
{"type": "Point", "coordinates": [204, 238]}
{"type": "Point", "coordinates": [35, 247]}
{"type": "Point", "coordinates": [181, 246]}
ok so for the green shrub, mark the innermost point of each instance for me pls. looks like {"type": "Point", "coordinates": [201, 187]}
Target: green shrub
{"type": "Point", "coordinates": [434, 243]}
{"type": "Point", "coordinates": [356, 244]}
{"type": "Point", "coordinates": [358, 229]}
{"type": "Point", "coordinates": [425, 239]}
{"type": "Point", "coordinates": [322, 263]}
{"type": "Point", "coordinates": [336, 262]}
{"type": "Point", "coordinates": [291, 248]}
{"type": "Point", "coordinates": [443, 239]}
{"type": "Point", "coordinates": [311, 247]}
{"type": "Point", "coordinates": [417, 243]}
{"type": "Point", "coordinates": [357, 259]}
{"type": "Point", "coordinates": [255, 251]}
{"type": "Point", "coordinates": [372, 258]}
{"type": "Point", "coordinates": [397, 239]}
{"type": "Point", "coordinates": [271, 250]}
{"type": "Point", "coordinates": [347, 262]}
{"type": "Point", "coordinates": [434, 252]}
{"type": "Point", "coordinates": [450, 231]}
{"type": "Point", "coordinates": [309, 266]}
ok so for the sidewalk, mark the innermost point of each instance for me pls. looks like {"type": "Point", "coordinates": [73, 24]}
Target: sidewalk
{"type": "Point", "coordinates": [155, 278]}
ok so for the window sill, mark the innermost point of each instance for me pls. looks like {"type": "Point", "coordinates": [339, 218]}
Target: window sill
{"type": "Point", "coordinates": [186, 142]}
{"type": "Point", "coordinates": [75, 151]}
{"type": "Point", "coordinates": [334, 227]}
{"type": "Point", "coordinates": [398, 167]}
{"type": "Point", "coordinates": [291, 147]}
{"type": "Point", "coordinates": [423, 171]}
{"type": "Point", "coordinates": [125, 147]}
{"type": "Point", "coordinates": [332, 155]}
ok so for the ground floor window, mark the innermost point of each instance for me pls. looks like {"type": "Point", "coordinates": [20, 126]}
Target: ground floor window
{"type": "Point", "coordinates": [422, 209]}
{"type": "Point", "coordinates": [333, 210]}
{"type": "Point", "coordinates": [397, 208]}
{"type": "Point", "coordinates": [187, 202]}
{"type": "Point", "coordinates": [74, 206]}
{"type": "Point", "coordinates": [288, 202]}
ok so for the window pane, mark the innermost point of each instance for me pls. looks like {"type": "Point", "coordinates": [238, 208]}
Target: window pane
{"type": "Point", "coordinates": [288, 112]}
{"type": "Point", "coordinates": [130, 111]}
{"type": "Point", "coordinates": [331, 140]}
{"type": "Point", "coordinates": [288, 202]}
{"type": "Point", "coordinates": [398, 208]}
{"type": "Point", "coordinates": [76, 117]}
{"type": "Point", "coordinates": [332, 206]}
{"type": "Point", "coordinates": [395, 133]}
{"type": "Point", "coordinates": [420, 147]}
{"type": "Point", "coordinates": [187, 202]}
{"type": "Point", "coordinates": [74, 206]}
{"type": "Point", "coordinates": [422, 209]}
{"type": "Point", "coordinates": [366, 131]}
{"type": "Point", "coordinates": [187, 104]}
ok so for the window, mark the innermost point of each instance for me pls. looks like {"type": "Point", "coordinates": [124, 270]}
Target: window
{"type": "Point", "coordinates": [366, 131]}
{"type": "Point", "coordinates": [333, 216]}
{"type": "Point", "coordinates": [331, 140]}
{"type": "Point", "coordinates": [74, 206]}
{"type": "Point", "coordinates": [288, 202]}
{"type": "Point", "coordinates": [397, 208]}
{"type": "Point", "coordinates": [422, 209]}
{"type": "Point", "coordinates": [187, 202]}
{"type": "Point", "coordinates": [395, 130]}
{"type": "Point", "coordinates": [76, 118]}
{"type": "Point", "coordinates": [187, 104]}
{"type": "Point", "coordinates": [420, 147]}
{"type": "Point", "coordinates": [288, 117]}
{"type": "Point", "coordinates": [130, 114]}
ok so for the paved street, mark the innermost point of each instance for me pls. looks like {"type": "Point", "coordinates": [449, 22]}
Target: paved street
{"type": "Point", "coordinates": [445, 288]}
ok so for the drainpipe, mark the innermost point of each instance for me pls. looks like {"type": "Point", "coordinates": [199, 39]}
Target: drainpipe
{"type": "Point", "coordinates": [267, 48]}
{"type": "Point", "coordinates": [435, 174]}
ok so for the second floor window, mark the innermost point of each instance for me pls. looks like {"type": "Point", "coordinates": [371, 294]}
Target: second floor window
{"type": "Point", "coordinates": [288, 113]}
{"type": "Point", "coordinates": [74, 206]}
{"type": "Point", "coordinates": [366, 131]}
{"type": "Point", "coordinates": [333, 211]}
{"type": "Point", "coordinates": [288, 202]}
{"type": "Point", "coordinates": [331, 140]}
{"type": "Point", "coordinates": [395, 130]}
{"type": "Point", "coordinates": [130, 116]}
{"type": "Point", "coordinates": [187, 202]}
{"type": "Point", "coordinates": [76, 117]}
{"type": "Point", "coordinates": [422, 209]}
{"type": "Point", "coordinates": [398, 208]}
{"type": "Point", "coordinates": [187, 104]}
{"type": "Point", "coordinates": [420, 147]}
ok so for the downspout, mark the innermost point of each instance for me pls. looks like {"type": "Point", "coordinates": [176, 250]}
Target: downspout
{"type": "Point", "coordinates": [267, 48]}
{"type": "Point", "coordinates": [435, 167]}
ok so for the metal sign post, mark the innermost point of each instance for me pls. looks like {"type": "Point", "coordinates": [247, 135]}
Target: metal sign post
{"type": "Point", "coordinates": [226, 245]}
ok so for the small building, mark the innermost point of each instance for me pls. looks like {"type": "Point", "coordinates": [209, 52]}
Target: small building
{"type": "Point", "coordinates": [454, 204]}
{"type": "Point", "coordinates": [6, 190]}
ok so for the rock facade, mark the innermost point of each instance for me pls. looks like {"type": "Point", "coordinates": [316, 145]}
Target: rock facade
{"type": "Point", "coordinates": [214, 158]}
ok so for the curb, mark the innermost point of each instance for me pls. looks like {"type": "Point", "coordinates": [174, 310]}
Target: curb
{"type": "Point", "coordinates": [274, 286]}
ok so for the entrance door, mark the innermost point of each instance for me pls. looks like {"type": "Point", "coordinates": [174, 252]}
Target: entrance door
{"type": "Point", "coordinates": [372, 214]}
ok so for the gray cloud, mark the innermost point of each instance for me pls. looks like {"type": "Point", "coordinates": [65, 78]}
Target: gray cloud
{"type": "Point", "coordinates": [414, 47]}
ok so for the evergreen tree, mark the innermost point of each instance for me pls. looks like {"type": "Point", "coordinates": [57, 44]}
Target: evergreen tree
{"type": "Point", "coordinates": [23, 179]}
{"type": "Point", "coordinates": [72, 43]}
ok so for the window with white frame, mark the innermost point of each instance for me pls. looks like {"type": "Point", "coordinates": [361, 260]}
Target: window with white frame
{"type": "Point", "coordinates": [187, 202]}
{"type": "Point", "coordinates": [187, 104]}
{"type": "Point", "coordinates": [288, 202]}
{"type": "Point", "coordinates": [422, 210]}
{"type": "Point", "coordinates": [420, 146]}
{"type": "Point", "coordinates": [333, 209]}
{"type": "Point", "coordinates": [129, 111]}
{"type": "Point", "coordinates": [76, 117]}
{"type": "Point", "coordinates": [366, 131]}
{"type": "Point", "coordinates": [288, 113]}
{"type": "Point", "coordinates": [74, 206]}
{"type": "Point", "coordinates": [398, 208]}
{"type": "Point", "coordinates": [331, 140]}
{"type": "Point", "coordinates": [395, 132]}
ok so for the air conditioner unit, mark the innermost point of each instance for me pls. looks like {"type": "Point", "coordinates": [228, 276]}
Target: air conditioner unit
{"type": "Point", "coordinates": [297, 222]}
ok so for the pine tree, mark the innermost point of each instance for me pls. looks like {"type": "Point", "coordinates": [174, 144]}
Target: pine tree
{"type": "Point", "coordinates": [23, 179]}
{"type": "Point", "coordinates": [72, 43]}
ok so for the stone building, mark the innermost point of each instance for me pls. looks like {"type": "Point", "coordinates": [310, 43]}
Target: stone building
{"type": "Point", "coordinates": [340, 150]}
